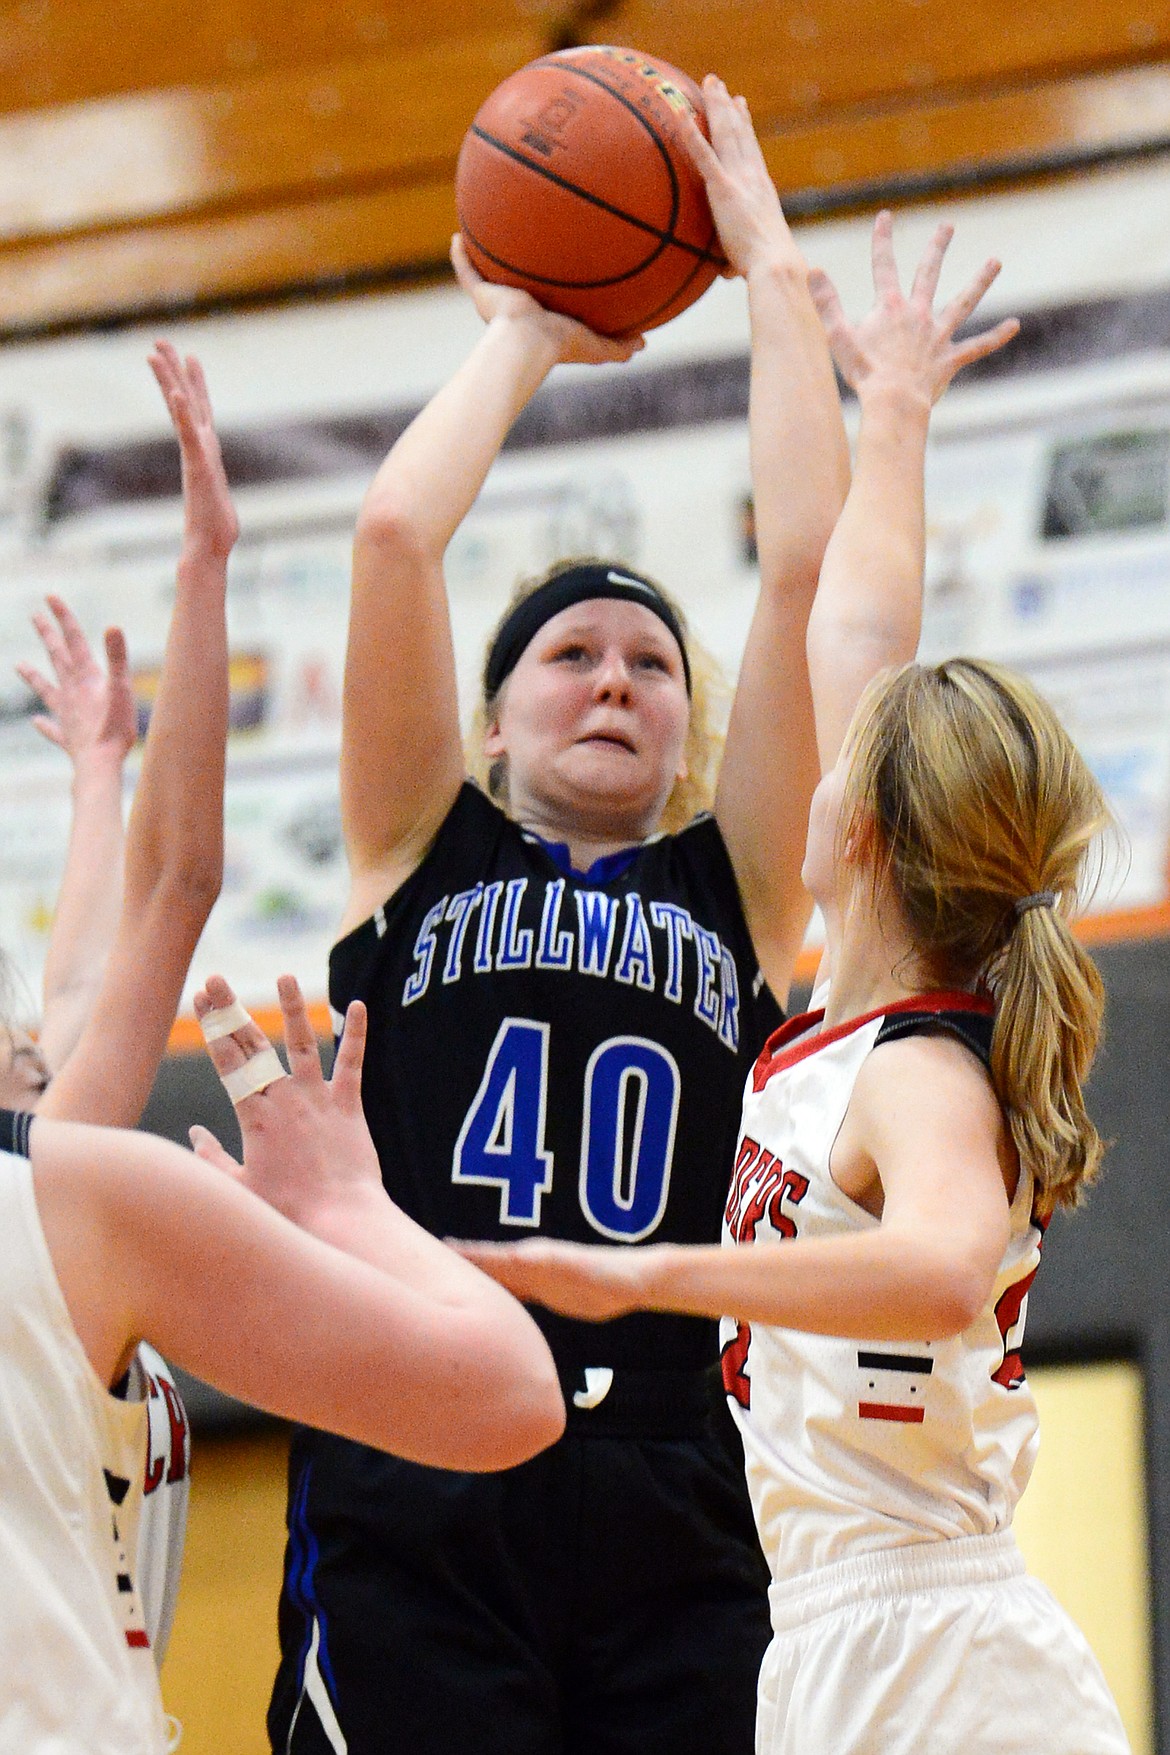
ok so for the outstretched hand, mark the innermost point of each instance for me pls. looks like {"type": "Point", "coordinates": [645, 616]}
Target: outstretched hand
{"type": "Point", "coordinates": [307, 1149]}
{"type": "Point", "coordinates": [575, 343]}
{"type": "Point", "coordinates": [210, 525]}
{"type": "Point", "coordinates": [744, 203]}
{"type": "Point", "coordinates": [89, 711]}
{"type": "Point", "coordinates": [591, 1282]}
{"type": "Point", "coordinates": [903, 340]}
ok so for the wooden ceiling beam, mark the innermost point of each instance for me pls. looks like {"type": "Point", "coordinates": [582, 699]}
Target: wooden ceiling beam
{"type": "Point", "coordinates": [801, 60]}
{"type": "Point", "coordinates": [920, 147]}
{"type": "Point", "coordinates": [78, 50]}
{"type": "Point", "coordinates": [252, 141]}
{"type": "Point", "coordinates": [143, 271]}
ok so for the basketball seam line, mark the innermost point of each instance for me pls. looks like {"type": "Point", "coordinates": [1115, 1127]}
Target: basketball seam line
{"type": "Point", "coordinates": [603, 85]}
{"type": "Point", "coordinates": [643, 122]}
{"type": "Point", "coordinates": [677, 294]}
{"type": "Point", "coordinates": [664, 237]}
{"type": "Point", "coordinates": [574, 285]}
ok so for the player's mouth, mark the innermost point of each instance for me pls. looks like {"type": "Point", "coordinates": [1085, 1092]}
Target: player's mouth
{"type": "Point", "coordinates": [611, 739]}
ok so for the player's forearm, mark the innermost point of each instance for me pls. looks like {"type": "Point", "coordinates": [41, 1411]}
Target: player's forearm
{"type": "Point", "coordinates": [88, 902]}
{"type": "Point", "coordinates": [175, 834]}
{"type": "Point", "coordinates": [366, 1223]}
{"type": "Point", "coordinates": [872, 573]}
{"type": "Point", "coordinates": [869, 602]}
{"type": "Point", "coordinates": [876, 1286]}
{"type": "Point", "coordinates": [503, 1390]}
{"type": "Point", "coordinates": [799, 452]}
{"type": "Point", "coordinates": [430, 480]}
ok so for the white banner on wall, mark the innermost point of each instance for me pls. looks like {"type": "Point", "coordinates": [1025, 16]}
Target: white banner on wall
{"type": "Point", "coordinates": [1048, 511]}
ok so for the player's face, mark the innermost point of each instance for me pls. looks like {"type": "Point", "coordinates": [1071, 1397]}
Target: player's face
{"type": "Point", "coordinates": [23, 1073]}
{"type": "Point", "coordinates": [593, 720]}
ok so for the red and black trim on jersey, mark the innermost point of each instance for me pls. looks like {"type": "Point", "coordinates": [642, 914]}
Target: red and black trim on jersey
{"type": "Point", "coordinates": [969, 1017]}
{"type": "Point", "coordinates": [133, 1621]}
{"type": "Point", "coordinates": [15, 1125]}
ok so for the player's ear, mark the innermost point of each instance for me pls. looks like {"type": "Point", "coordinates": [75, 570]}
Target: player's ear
{"type": "Point", "coordinates": [495, 747]}
{"type": "Point", "coordinates": [862, 843]}
{"type": "Point", "coordinates": [493, 741]}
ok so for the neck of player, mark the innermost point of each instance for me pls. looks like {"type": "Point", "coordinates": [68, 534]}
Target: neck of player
{"type": "Point", "coordinates": [592, 829]}
{"type": "Point", "coordinates": [871, 959]}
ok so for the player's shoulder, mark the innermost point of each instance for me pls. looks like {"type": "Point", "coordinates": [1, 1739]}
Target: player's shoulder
{"type": "Point", "coordinates": [931, 1074]}
{"type": "Point", "coordinates": [696, 857]}
{"type": "Point", "coordinates": [933, 1054]}
{"type": "Point", "coordinates": [452, 850]}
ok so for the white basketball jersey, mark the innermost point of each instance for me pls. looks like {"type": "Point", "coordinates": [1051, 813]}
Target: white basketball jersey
{"type": "Point", "coordinates": [76, 1672]}
{"type": "Point", "coordinates": [855, 1446]}
{"type": "Point", "coordinates": [166, 1485]}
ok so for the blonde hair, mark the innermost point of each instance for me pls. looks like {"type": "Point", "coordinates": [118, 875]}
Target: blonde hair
{"type": "Point", "coordinates": [973, 797]}
{"type": "Point", "coordinates": [704, 740]}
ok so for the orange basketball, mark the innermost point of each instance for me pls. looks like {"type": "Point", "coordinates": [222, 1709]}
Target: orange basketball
{"type": "Point", "coordinates": [574, 183]}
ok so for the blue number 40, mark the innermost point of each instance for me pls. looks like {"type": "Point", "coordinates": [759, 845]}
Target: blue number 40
{"type": "Point", "coordinates": [629, 1115]}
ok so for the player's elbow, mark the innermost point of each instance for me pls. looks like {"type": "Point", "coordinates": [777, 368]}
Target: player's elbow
{"type": "Point", "coordinates": [954, 1294]}
{"type": "Point", "coordinates": [527, 1422]}
{"type": "Point", "coordinates": [525, 1416]}
{"type": "Point", "coordinates": [171, 907]}
{"type": "Point", "coordinates": [474, 1414]}
{"type": "Point", "coordinates": [391, 529]}
{"type": "Point", "coordinates": [488, 1396]}
{"type": "Point", "coordinates": [188, 873]}
{"type": "Point", "coordinates": [870, 628]}
{"type": "Point", "coordinates": [790, 564]}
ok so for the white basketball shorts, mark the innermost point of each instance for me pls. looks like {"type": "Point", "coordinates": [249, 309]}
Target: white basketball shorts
{"type": "Point", "coordinates": [939, 1648]}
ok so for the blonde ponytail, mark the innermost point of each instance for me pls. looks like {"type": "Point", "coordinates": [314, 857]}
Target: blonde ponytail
{"type": "Point", "coordinates": [986, 821]}
{"type": "Point", "coordinates": [1048, 1022]}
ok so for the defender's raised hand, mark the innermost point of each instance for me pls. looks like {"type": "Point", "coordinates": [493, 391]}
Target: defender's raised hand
{"type": "Point", "coordinates": [307, 1149]}
{"type": "Point", "coordinates": [210, 525]}
{"type": "Point", "coordinates": [903, 338]}
{"type": "Point", "coordinates": [89, 712]}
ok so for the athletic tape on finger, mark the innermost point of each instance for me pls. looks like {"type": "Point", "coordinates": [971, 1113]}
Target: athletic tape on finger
{"type": "Point", "coordinates": [257, 1073]}
{"type": "Point", "coordinates": [224, 1021]}
{"type": "Point", "coordinates": [259, 1070]}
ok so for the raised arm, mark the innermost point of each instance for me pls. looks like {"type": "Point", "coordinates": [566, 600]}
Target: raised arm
{"type": "Point", "coordinates": [89, 714]}
{"type": "Point", "coordinates": [899, 360]}
{"type": "Point", "coordinates": [800, 473]}
{"type": "Point", "coordinates": [146, 1240]}
{"type": "Point", "coordinates": [174, 841]}
{"type": "Point", "coordinates": [401, 751]}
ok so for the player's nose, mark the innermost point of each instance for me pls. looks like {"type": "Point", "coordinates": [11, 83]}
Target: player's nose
{"type": "Point", "coordinates": [614, 677]}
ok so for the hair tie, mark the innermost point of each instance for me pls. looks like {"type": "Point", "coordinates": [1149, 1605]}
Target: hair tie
{"type": "Point", "coordinates": [1042, 899]}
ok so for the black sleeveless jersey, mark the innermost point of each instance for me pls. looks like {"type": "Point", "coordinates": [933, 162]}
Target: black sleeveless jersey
{"type": "Point", "coordinates": [558, 1053]}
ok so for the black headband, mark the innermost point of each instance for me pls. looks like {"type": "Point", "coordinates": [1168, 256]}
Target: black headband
{"type": "Point", "coordinates": [574, 585]}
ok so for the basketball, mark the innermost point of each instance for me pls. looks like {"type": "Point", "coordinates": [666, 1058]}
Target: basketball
{"type": "Point", "coordinates": [574, 182]}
